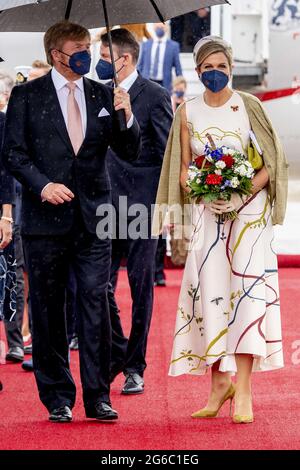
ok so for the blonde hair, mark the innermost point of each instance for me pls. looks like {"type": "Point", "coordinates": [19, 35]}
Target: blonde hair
{"type": "Point", "coordinates": [61, 32]}
{"type": "Point", "coordinates": [40, 64]}
{"type": "Point", "coordinates": [178, 81]}
{"type": "Point", "coordinates": [213, 47]}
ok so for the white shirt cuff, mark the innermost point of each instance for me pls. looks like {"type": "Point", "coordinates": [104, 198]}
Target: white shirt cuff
{"type": "Point", "coordinates": [43, 199]}
{"type": "Point", "coordinates": [130, 122]}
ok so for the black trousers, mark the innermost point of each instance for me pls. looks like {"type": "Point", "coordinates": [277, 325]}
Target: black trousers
{"type": "Point", "coordinates": [140, 268]}
{"type": "Point", "coordinates": [13, 329]}
{"type": "Point", "coordinates": [160, 259]}
{"type": "Point", "coordinates": [71, 306]}
{"type": "Point", "coordinates": [8, 284]}
{"type": "Point", "coordinates": [49, 260]}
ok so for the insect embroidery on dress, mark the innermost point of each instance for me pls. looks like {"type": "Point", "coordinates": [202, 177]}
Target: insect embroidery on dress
{"type": "Point", "coordinates": [235, 108]}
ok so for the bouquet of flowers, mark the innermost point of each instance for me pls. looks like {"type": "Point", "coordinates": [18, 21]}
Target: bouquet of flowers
{"type": "Point", "coordinates": [218, 174]}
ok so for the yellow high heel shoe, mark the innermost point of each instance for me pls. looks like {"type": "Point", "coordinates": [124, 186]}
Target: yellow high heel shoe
{"type": "Point", "coordinates": [204, 413]}
{"type": "Point", "coordinates": [243, 419]}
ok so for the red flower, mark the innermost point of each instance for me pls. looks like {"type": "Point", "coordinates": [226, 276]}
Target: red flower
{"type": "Point", "coordinates": [214, 179]}
{"type": "Point", "coordinates": [199, 162]}
{"type": "Point", "coordinates": [229, 160]}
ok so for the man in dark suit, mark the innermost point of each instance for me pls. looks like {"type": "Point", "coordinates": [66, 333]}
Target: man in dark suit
{"type": "Point", "coordinates": [158, 58]}
{"type": "Point", "coordinates": [138, 182]}
{"type": "Point", "coordinates": [58, 131]}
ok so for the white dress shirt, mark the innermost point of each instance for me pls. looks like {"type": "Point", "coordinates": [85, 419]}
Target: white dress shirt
{"type": "Point", "coordinates": [156, 41]}
{"type": "Point", "coordinates": [127, 83]}
{"type": "Point", "coordinates": [62, 91]}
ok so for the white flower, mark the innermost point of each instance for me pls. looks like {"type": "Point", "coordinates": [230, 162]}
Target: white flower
{"type": "Point", "coordinates": [218, 172]}
{"type": "Point", "coordinates": [198, 181]}
{"type": "Point", "coordinates": [192, 174]}
{"type": "Point", "coordinates": [228, 151]}
{"type": "Point", "coordinates": [234, 182]}
{"type": "Point", "coordinates": [241, 170]}
{"type": "Point", "coordinates": [220, 165]}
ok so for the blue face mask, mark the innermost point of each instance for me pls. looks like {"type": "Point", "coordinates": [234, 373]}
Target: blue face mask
{"type": "Point", "coordinates": [179, 93]}
{"type": "Point", "coordinates": [160, 32]}
{"type": "Point", "coordinates": [105, 69]}
{"type": "Point", "coordinates": [214, 80]}
{"type": "Point", "coordinates": [80, 62]}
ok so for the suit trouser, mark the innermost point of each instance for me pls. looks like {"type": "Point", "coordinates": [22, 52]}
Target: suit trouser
{"type": "Point", "coordinates": [13, 329]}
{"type": "Point", "coordinates": [71, 300]}
{"type": "Point", "coordinates": [160, 258]}
{"type": "Point", "coordinates": [8, 283]}
{"type": "Point", "coordinates": [49, 259]}
{"type": "Point", "coordinates": [140, 268]}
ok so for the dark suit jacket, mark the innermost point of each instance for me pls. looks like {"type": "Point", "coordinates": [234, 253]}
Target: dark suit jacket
{"type": "Point", "coordinates": [151, 105]}
{"type": "Point", "coordinates": [6, 180]}
{"type": "Point", "coordinates": [38, 150]}
{"type": "Point", "coordinates": [171, 59]}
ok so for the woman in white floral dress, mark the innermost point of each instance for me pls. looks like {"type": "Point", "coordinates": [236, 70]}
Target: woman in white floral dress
{"type": "Point", "coordinates": [228, 315]}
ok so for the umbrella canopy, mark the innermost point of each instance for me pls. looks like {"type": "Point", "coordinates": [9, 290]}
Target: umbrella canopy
{"type": "Point", "coordinates": [39, 15]}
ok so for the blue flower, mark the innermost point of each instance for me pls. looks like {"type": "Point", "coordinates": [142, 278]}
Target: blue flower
{"type": "Point", "coordinates": [226, 184]}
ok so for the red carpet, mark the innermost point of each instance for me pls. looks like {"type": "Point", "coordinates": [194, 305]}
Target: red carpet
{"type": "Point", "coordinates": [289, 261]}
{"type": "Point", "coordinates": [160, 419]}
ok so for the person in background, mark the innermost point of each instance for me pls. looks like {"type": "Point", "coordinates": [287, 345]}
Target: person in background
{"type": "Point", "coordinates": [39, 68]}
{"type": "Point", "coordinates": [7, 256]}
{"type": "Point", "coordinates": [179, 92]}
{"type": "Point", "coordinates": [158, 58]}
{"type": "Point", "coordinates": [177, 26]}
{"type": "Point", "coordinates": [6, 85]}
{"type": "Point", "coordinates": [139, 31]}
{"type": "Point", "coordinates": [159, 275]}
{"type": "Point", "coordinates": [189, 28]}
{"type": "Point", "coordinates": [200, 24]}
{"type": "Point", "coordinates": [138, 180]}
{"type": "Point", "coordinates": [13, 327]}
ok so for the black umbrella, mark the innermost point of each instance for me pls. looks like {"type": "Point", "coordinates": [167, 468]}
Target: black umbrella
{"type": "Point", "coordinates": [39, 15]}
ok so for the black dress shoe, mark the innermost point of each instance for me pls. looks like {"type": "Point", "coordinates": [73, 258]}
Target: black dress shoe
{"type": "Point", "coordinates": [160, 283]}
{"type": "Point", "coordinates": [61, 415]}
{"type": "Point", "coordinates": [134, 385]}
{"type": "Point", "coordinates": [15, 354]}
{"type": "Point", "coordinates": [27, 365]}
{"type": "Point", "coordinates": [101, 411]}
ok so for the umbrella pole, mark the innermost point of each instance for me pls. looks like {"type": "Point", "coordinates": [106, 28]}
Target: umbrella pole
{"type": "Point", "coordinates": [121, 113]}
{"type": "Point", "coordinates": [68, 9]}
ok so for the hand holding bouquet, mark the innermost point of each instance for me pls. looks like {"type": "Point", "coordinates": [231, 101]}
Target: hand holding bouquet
{"type": "Point", "coordinates": [221, 174]}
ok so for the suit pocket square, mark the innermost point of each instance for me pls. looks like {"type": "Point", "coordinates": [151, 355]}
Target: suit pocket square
{"type": "Point", "coordinates": [103, 113]}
